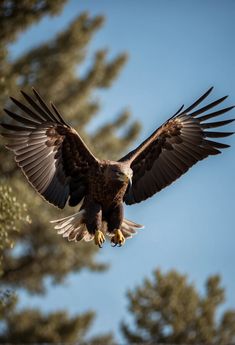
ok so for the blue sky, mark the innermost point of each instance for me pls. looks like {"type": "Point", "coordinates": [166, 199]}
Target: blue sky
{"type": "Point", "coordinates": [177, 50]}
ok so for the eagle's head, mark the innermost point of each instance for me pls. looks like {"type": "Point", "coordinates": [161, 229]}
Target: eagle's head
{"type": "Point", "coordinates": [119, 172]}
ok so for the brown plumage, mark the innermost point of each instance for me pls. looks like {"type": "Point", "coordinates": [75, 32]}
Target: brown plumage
{"type": "Point", "coordinates": [58, 164]}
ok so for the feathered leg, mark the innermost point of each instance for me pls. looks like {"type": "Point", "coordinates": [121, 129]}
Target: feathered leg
{"type": "Point", "coordinates": [114, 220]}
{"type": "Point", "coordinates": [93, 220]}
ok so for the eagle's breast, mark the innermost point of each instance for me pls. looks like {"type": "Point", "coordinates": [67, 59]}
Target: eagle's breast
{"type": "Point", "coordinates": [105, 189]}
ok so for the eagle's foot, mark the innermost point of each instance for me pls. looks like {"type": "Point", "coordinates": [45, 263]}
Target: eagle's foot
{"type": "Point", "coordinates": [118, 238]}
{"type": "Point", "coordinates": [99, 238]}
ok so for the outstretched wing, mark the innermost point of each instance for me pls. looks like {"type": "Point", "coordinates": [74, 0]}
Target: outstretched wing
{"type": "Point", "coordinates": [51, 154]}
{"type": "Point", "coordinates": [173, 148]}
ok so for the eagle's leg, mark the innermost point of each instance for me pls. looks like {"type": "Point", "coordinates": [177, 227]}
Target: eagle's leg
{"type": "Point", "coordinates": [94, 221]}
{"type": "Point", "coordinates": [114, 220]}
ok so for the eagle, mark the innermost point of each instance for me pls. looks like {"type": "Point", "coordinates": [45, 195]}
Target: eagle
{"type": "Point", "coordinates": [59, 165]}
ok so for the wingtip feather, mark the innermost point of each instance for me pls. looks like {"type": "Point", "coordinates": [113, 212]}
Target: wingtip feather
{"type": "Point", "coordinates": [210, 89]}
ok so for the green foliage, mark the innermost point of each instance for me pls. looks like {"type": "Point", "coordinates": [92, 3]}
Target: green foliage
{"type": "Point", "coordinates": [15, 17]}
{"type": "Point", "coordinates": [43, 253]}
{"type": "Point", "coordinates": [74, 93]}
{"type": "Point", "coordinates": [169, 310]}
{"type": "Point", "coordinates": [32, 326]}
{"type": "Point", "coordinates": [56, 69]}
{"type": "Point", "coordinates": [7, 302]}
{"type": "Point", "coordinates": [12, 215]}
{"type": "Point", "coordinates": [23, 13]}
{"type": "Point", "coordinates": [11, 211]}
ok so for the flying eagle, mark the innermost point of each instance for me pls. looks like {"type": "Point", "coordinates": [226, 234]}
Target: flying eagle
{"type": "Point", "coordinates": [59, 165]}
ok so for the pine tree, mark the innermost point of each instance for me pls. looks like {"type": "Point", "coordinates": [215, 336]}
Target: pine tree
{"type": "Point", "coordinates": [169, 310]}
{"type": "Point", "coordinates": [16, 16]}
{"type": "Point", "coordinates": [32, 326]}
{"type": "Point", "coordinates": [55, 69]}
{"type": "Point", "coordinates": [12, 214]}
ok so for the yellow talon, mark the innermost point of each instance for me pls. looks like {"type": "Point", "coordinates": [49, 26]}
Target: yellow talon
{"type": "Point", "coordinates": [99, 238]}
{"type": "Point", "coordinates": [118, 238]}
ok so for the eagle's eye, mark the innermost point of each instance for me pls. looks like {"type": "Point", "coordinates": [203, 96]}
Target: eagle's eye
{"type": "Point", "coordinates": [116, 171]}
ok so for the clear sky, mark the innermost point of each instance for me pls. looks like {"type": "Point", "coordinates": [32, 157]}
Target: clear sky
{"type": "Point", "coordinates": [177, 50]}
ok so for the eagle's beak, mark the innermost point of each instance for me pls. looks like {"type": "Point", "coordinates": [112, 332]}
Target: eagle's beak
{"type": "Point", "coordinates": [124, 178]}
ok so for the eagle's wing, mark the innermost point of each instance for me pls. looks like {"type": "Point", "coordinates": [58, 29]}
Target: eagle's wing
{"type": "Point", "coordinates": [51, 154]}
{"type": "Point", "coordinates": [173, 148]}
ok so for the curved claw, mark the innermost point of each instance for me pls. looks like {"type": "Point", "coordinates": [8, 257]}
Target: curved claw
{"type": "Point", "coordinates": [99, 238]}
{"type": "Point", "coordinates": [118, 239]}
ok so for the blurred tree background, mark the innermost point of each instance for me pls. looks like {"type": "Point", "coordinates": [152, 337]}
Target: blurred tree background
{"type": "Point", "coordinates": [30, 250]}
{"type": "Point", "coordinates": [169, 310]}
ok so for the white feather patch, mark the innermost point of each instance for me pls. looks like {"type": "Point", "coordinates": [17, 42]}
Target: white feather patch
{"type": "Point", "coordinates": [73, 227]}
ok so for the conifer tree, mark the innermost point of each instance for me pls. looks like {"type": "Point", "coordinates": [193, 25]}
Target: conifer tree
{"type": "Point", "coordinates": [12, 215]}
{"type": "Point", "coordinates": [16, 16]}
{"type": "Point", "coordinates": [54, 68]}
{"type": "Point", "coordinates": [169, 310]}
{"type": "Point", "coordinates": [32, 326]}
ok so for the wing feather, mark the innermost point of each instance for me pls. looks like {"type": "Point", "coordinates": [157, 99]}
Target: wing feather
{"type": "Point", "coordinates": [49, 152]}
{"type": "Point", "coordinates": [173, 148]}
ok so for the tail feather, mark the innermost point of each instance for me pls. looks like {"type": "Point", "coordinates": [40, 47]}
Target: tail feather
{"type": "Point", "coordinates": [73, 234]}
{"type": "Point", "coordinates": [129, 222]}
{"type": "Point", "coordinates": [130, 228]}
{"type": "Point", "coordinates": [88, 237]}
{"type": "Point", "coordinates": [74, 229]}
{"type": "Point", "coordinates": [62, 229]}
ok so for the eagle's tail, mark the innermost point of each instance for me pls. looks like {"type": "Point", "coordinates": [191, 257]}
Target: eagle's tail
{"type": "Point", "coordinates": [73, 227]}
{"type": "Point", "coordinates": [128, 228]}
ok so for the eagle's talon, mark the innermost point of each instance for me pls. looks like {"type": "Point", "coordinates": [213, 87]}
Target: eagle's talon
{"type": "Point", "coordinates": [118, 239]}
{"type": "Point", "coordinates": [99, 238]}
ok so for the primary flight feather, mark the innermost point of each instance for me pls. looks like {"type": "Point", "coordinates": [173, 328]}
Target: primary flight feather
{"type": "Point", "coordinates": [59, 165]}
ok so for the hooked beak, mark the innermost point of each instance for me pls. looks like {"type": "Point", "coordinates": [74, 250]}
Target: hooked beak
{"type": "Point", "coordinates": [124, 178]}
